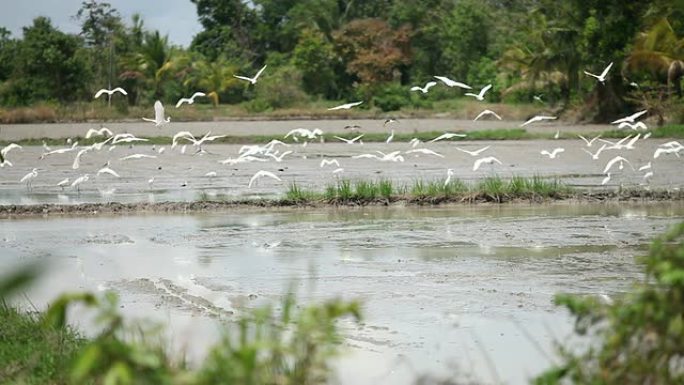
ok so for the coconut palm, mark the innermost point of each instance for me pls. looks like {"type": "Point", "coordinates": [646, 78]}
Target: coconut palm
{"type": "Point", "coordinates": [214, 77]}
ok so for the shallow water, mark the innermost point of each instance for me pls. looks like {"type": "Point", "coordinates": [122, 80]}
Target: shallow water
{"type": "Point", "coordinates": [444, 289]}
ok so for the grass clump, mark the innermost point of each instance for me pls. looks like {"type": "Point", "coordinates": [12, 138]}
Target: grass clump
{"type": "Point", "coordinates": [296, 194]}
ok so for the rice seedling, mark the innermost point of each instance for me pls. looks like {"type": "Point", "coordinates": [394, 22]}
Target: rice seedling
{"type": "Point", "coordinates": [386, 189]}
{"type": "Point", "coordinates": [365, 190]}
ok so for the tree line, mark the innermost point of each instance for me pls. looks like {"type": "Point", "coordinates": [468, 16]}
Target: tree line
{"type": "Point", "coordinates": [345, 49]}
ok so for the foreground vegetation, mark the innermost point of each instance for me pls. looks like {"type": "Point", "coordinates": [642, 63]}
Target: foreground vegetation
{"type": "Point", "coordinates": [637, 338]}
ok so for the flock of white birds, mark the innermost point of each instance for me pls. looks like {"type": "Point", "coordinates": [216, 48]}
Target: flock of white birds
{"type": "Point", "coordinates": [594, 147]}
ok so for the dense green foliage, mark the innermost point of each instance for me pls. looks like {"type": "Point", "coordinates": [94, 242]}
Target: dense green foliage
{"type": "Point", "coordinates": [372, 51]}
{"type": "Point", "coordinates": [641, 336]}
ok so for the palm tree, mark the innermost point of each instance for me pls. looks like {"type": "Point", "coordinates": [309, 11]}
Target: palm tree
{"type": "Point", "coordinates": [214, 77]}
{"type": "Point", "coordinates": [153, 64]}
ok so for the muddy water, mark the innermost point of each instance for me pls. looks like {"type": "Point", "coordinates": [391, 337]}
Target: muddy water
{"type": "Point", "coordinates": [445, 289]}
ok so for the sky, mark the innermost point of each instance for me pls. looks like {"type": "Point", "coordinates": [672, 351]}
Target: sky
{"type": "Point", "coordinates": [177, 18]}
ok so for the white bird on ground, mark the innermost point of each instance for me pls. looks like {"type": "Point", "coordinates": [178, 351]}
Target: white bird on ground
{"type": "Point", "coordinates": [159, 119]}
{"type": "Point", "coordinates": [104, 131]}
{"type": "Point", "coordinates": [618, 159]}
{"type": "Point", "coordinates": [424, 89]}
{"type": "Point", "coordinates": [557, 134]}
{"type": "Point", "coordinates": [474, 153]}
{"type": "Point", "coordinates": [254, 79]}
{"type": "Point", "coordinates": [647, 166]}
{"type": "Point", "coordinates": [110, 92]}
{"type": "Point", "coordinates": [636, 126]}
{"type": "Point", "coordinates": [596, 155]}
{"type": "Point", "coordinates": [588, 142]}
{"type": "Point", "coordinates": [78, 181]}
{"type": "Point", "coordinates": [482, 93]}
{"type": "Point", "coordinates": [5, 150]}
{"type": "Point", "coordinates": [260, 174]}
{"type": "Point", "coordinates": [138, 156]}
{"type": "Point", "coordinates": [190, 100]}
{"type": "Point", "coordinates": [46, 148]}
{"type": "Point", "coordinates": [345, 106]}
{"type": "Point", "coordinates": [211, 174]}
{"type": "Point", "coordinates": [28, 178]}
{"type": "Point", "coordinates": [447, 135]}
{"type": "Point", "coordinates": [538, 118]}
{"type": "Point", "coordinates": [424, 151]}
{"type": "Point", "coordinates": [327, 162]}
{"type": "Point", "coordinates": [450, 173]}
{"type": "Point", "coordinates": [631, 118]}
{"type": "Point", "coordinates": [63, 183]}
{"type": "Point", "coordinates": [601, 78]}
{"type": "Point", "coordinates": [485, 160]}
{"type": "Point", "coordinates": [486, 112]}
{"type": "Point", "coordinates": [390, 137]}
{"type": "Point", "coordinates": [107, 170]}
{"type": "Point", "coordinates": [451, 83]}
{"type": "Point", "coordinates": [553, 153]}
{"type": "Point", "coordinates": [349, 141]}
{"type": "Point", "coordinates": [414, 142]}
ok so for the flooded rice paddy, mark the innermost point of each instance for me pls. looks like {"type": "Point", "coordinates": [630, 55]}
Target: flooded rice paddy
{"type": "Point", "coordinates": [445, 290]}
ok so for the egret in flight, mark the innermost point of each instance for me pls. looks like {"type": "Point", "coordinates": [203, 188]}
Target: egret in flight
{"type": "Point", "coordinates": [538, 118]}
{"type": "Point", "coordinates": [260, 174]}
{"type": "Point", "coordinates": [425, 88]}
{"type": "Point", "coordinates": [254, 79]}
{"type": "Point", "coordinates": [482, 93]}
{"type": "Point", "coordinates": [451, 83]}
{"type": "Point", "coordinates": [345, 106]}
{"type": "Point", "coordinates": [159, 119]}
{"type": "Point", "coordinates": [190, 100]}
{"type": "Point", "coordinates": [601, 78]}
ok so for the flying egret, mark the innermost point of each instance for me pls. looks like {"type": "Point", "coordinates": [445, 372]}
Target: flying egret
{"type": "Point", "coordinates": [447, 135]}
{"type": "Point", "coordinates": [482, 93]}
{"type": "Point", "coordinates": [605, 180]}
{"type": "Point", "coordinates": [190, 100]}
{"type": "Point", "coordinates": [601, 78]}
{"type": "Point", "coordinates": [631, 118]}
{"type": "Point", "coordinates": [647, 166]}
{"type": "Point", "coordinates": [4, 162]}
{"type": "Point", "coordinates": [279, 158]}
{"type": "Point", "coordinates": [596, 155]}
{"type": "Point", "coordinates": [338, 170]}
{"type": "Point", "coordinates": [77, 159]}
{"type": "Point", "coordinates": [349, 141]}
{"type": "Point", "coordinates": [104, 131]}
{"type": "Point", "coordinates": [634, 126]}
{"type": "Point", "coordinates": [414, 142]}
{"type": "Point", "coordinates": [110, 92]}
{"type": "Point", "coordinates": [538, 98]}
{"type": "Point", "coordinates": [28, 178]}
{"type": "Point", "coordinates": [390, 137]}
{"type": "Point", "coordinates": [617, 159]}
{"type": "Point", "coordinates": [424, 151]}
{"type": "Point", "coordinates": [159, 119]}
{"type": "Point", "coordinates": [486, 112]}
{"type": "Point", "coordinates": [260, 174]}
{"type": "Point", "coordinates": [251, 80]}
{"type": "Point", "coordinates": [391, 157]}
{"type": "Point", "coordinates": [5, 150]}
{"type": "Point", "coordinates": [538, 118]}
{"type": "Point", "coordinates": [554, 153]}
{"type": "Point", "coordinates": [616, 145]}
{"type": "Point", "coordinates": [211, 174]}
{"type": "Point", "coordinates": [78, 181]}
{"type": "Point", "coordinates": [353, 128]}
{"type": "Point", "coordinates": [588, 142]}
{"type": "Point", "coordinates": [63, 183]}
{"type": "Point", "coordinates": [309, 134]}
{"type": "Point", "coordinates": [138, 156]}
{"type": "Point", "coordinates": [450, 83]}
{"type": "Point", "coordinates": [107, 170]}
{"type": "Point", "coordinates": [630, 144]}
{"type": "Point", "coordinates": [485, 160]}
{"type": "Point", "coordinates": [474, 153]}
{"type": "Point", "coordinates": [345, 106]}
{"type": "Point", "coordinates": [424, 89]}
{"type": "Point", "coordinates": [648, 175]}
{"type": "Point", "coordinates": [326, 162]}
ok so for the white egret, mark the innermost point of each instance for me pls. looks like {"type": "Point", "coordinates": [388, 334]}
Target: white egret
{"type": "Point", "coordinates": [349, 141]}
{"type": "Point", "coordinates": [645, 167]}
{"type": "Point", "coordinates": [5, 162]}
{"type": "Point", "coordinates": [485, 160]}
{"type": "Point", "coordinates": [605, 180]}
{"type": "Point", "coordinates": [450, 173]}
{"type": "Point", "coordinates": [61, 184]}
{"type": "Point", "coordinates": [182, 135]}
{"type": "Point", "coordinates": [110, 92]}
{"type": "Point", "coordinates": [554, 153]}
{"type": "Point", "coordinates": [588, 142]}
{"type": "Point", "coordinates": [447, 135]}
{"type": "Point", "coordinates": [107, 170]}
{"type": "Point", "coordinates": [601, 78]}
{"type": "Point", "coordinates": [345, 106]}
{"type": "Point", "coordinates": [424, 151]}
{"type": "Point", "coordinates": [353, 128]}
{"type": "Point", "coordinates": [251, 80]}
{"type": "Point", "coordinates": [634, 126]}
{"type": "Point", "coordinates": [326, 162]}
{"type": "Point", "coordinates": [648, 175]}
{"type": "Point", "coordinates": [424, 89]}
{"type": "Point", "coordinates": [338, 170]}
{"type": "Point", "coordinates": [28, 178]}
{"type": "Point", "coordinates": [279, 158]}
{"type": "Point", "coordinates": [138, 156]}
{"type": "Point", "coordinates": [474, 153]}
{"type": "Point", "coordinates": [78, 181]}
{"type": "Point", "coordinates": [482, 93]}
{"type": "Point", "coordinates": [260, 174]}
{"type": "Point", "coordinates": [486, 112]}
{"type": "Point", "coordinates": [77, 159]}
{"type": "Point", "coordinates": [596, 155]}
{"type": "Point", "coordinates": [159, 119]}
{"type": "Point", "coordinates": [618, 159]}
{"type": "Point", "coordinates": [390, 137]}
{"type": "Point", "coordinates": [631, 118]}
{"type": "Point", "coordinates": [211, 174]}
{"type": "Point", "coordinates": [414, 142]}
{"type": "Point", "coordinates": [190, 100]}
{"type": "Point", "coordinates": [451, 83]}
{"type": "Point", "coordinates": [5, 150]}
{"type": "Point", "coordinates": [104, 131]}
{"type": "Point", "coordinates": [538, 118]}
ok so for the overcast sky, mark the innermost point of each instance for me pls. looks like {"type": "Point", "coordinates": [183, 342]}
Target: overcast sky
{"type": "Point", "coordinates": [177, 18]}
